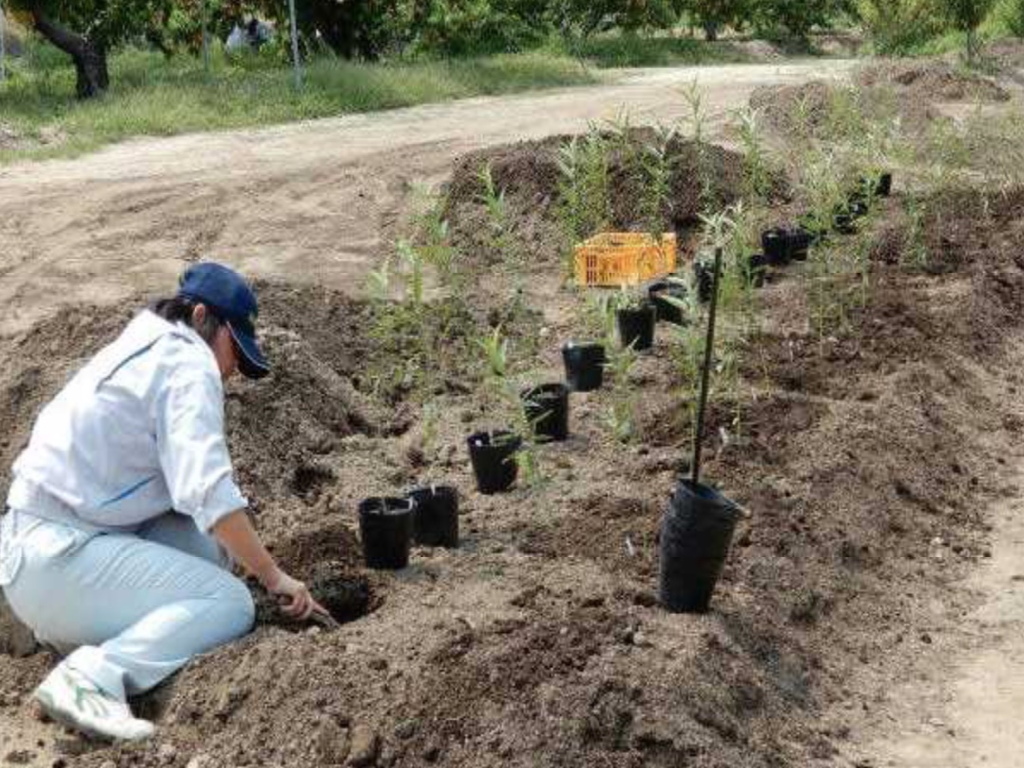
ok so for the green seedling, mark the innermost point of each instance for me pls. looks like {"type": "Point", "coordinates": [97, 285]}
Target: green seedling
{"type": "Point", "coordinates": [495, 349]}
{"type": "Point", "coordinates": [621, 414]}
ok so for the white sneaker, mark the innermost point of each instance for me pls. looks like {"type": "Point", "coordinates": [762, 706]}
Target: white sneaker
{"type": "Point", "coordinates": [73, 699]}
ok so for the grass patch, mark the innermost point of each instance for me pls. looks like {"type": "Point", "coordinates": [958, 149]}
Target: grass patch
{"type": "Point", "coordinates": [154, 96]}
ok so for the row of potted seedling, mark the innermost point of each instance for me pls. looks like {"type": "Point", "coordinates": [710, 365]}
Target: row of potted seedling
{"type": "Point", "coordinates": [781, 245]}
{"type": "Point", "coordinates": [429, 516]}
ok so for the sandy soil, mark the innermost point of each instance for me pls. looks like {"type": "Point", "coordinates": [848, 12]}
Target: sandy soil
{"type": "Point", "coordinates": [870, 462]}
{"type": "Point", "coordinates": [309, 202]}
{"type": "Point", "coordinates": [962, 707]}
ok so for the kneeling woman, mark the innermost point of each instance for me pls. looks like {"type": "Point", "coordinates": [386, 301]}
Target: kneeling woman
{"type": "Point", "coordinates": [90, 557]}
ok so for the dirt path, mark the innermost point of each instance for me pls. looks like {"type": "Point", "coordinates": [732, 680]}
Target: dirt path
{"type": "Point", "coordinates": [314, 202]}
{"type": "Point", "coordinates": [963, 708]}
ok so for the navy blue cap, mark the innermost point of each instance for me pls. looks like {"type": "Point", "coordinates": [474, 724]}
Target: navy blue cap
{"type": "Point", "coordinates": [229, 297]}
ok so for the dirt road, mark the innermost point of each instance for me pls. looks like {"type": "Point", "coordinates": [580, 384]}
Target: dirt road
{"type": "Point", "coordinates": [314, 201]}
{"type": "Point", "coordinates": [964, 710]}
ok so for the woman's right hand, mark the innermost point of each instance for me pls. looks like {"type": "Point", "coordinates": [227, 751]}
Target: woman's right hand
{"type": "Point", "coordinates": [236, 533]}
{"type": "Point", "coordinates": [299, 603]}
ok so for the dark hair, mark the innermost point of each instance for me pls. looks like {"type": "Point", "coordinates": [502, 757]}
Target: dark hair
{"type": "Point", "coordinates": [180, 310]}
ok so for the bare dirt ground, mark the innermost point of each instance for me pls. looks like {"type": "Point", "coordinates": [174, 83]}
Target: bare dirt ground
{"type": "Point", "coordinates": [961, 707]}
{"type": "Point", "coordinates": [313, 202]}
{"type": "Point", "coordinates": [878, 464]}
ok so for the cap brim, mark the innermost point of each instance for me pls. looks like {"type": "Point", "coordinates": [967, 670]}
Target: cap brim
{"type": "Point", "coordinates": [251, 361]}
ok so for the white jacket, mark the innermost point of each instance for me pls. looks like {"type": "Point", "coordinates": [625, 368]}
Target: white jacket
{"type": "Point", "coordinates": [137, 432]}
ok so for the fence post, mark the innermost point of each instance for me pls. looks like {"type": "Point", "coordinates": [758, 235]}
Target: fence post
{"type": "Point", "coordinates": [206, 37]}
{"type": "Point", "coordinates": [3, 51]}
{"type": "Point", "coordinates": [295, 45]}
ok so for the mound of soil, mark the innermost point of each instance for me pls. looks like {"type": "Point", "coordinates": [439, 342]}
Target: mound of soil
{"type": "Point", "coordinates": [934, 81]}
{"type": "Point", "coordinates": [528, 173]}
{"type": "Point", "coordinates": [794, 108]}
{"type": "Point", "coordinates": [821, 110]}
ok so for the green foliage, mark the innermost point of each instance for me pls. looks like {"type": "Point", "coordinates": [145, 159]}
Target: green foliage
{"type": "Point", "coordinates": [104, 23]}
{"type": "Point", "coordinates": [757, 173]}
{"type": "Point", "coordinates": [584, 201]}
{"type": "Point", "coordinates": [655, 172]}
{"type": "Point", "coordinates": [621, 414]}
{"type": "Point", "coordinates": [793, 18]}
{"type": "Point", "coordinates": [577, 20]}
{"type": "Point", "coordinates": [967, 16]}
{"type": "Point", "coordinates": [495, 353]}
{"type": "Point", "coordinates": [714, 15]}
{"type": "Point", "coordinates": [897, 26]}
{"type": "Point", "coordinates": [504, 389]}
{"type": "Point", "coordinates": [1011, 13]}
{"type": "Point", "coordinates": [415, 339]}
{"type": "Point", "coordinates": [694, 98]}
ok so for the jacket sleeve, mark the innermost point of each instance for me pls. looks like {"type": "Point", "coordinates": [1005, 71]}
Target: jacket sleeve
{"type": "Point", "coordinates": [193, 449]}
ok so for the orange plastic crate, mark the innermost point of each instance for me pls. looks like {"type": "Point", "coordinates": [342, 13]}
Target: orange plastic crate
{"type": "Point", "coordinates": [624, 258]}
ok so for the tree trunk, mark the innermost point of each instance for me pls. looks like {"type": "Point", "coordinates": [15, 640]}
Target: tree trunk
{"type": "Point", "coordinates": [710, 31]}
{"type": "Point", "coordinates": [89, 56]}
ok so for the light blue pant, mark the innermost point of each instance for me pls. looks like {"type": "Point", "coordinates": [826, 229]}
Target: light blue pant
{"type": "Point", "coordinates": [135, 607]}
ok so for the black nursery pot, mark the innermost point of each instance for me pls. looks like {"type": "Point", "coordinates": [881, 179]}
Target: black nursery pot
{"type": "Point", "coordinates": [696, 532]}
{"type": "Point", "coordinates": [493, 455]}
{"type": "Point", "coordinates": [664, 310]}
{"type": "Point", "coordinates": [704, 274]}
{"type": "Point", "coordinates": [547, 409]}
{"type": "Point", "coordinates": [843, 223]}
{"type": "Point", "coordinates": [584, 366]}
{"type": "Point", "coordinates": [775, 243]}
{"type": "Point", "coordinates": [783, 245]}
{"type": "Point", "coordinates": [757, 265]}
{"type": "Point", "coordinates": [435, 516]}
{"type": "Point", "coordinates": [636, 327]}
{"type": "Point", "coordinates": [385, 526]}
{"type": "Point", "coordinates": [884, 188]}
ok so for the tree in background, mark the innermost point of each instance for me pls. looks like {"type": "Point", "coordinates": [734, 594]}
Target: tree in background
{"type": "Point", "coordinates": [794, 18]}
{"type": "Point", "coordinates": [579, 19]}
{"type": "Point", "coordinates": [967, 16]}
{"type": "Point", "coordinates": [714, 15]}
{"type": "Point", "coordinates": [86, 30]}
{"type": "Point", "coordinates": [1012, 12]}
{"type": "Point", "coordinates": [895, 26]}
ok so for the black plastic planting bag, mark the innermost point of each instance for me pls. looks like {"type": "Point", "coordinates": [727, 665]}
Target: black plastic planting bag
{"type": "Point", "coordinates": [636, 327]}
{"type": "Point", "coordinates": [493, 456]}
{"type": "Point", "coordinates": [696, 532]}
{"type": "Point", "coordinates": [436, 516]}
{"type": "Point", "coordinates": [547, 409]}
{"type": "Point", "coordinates": [385, 526]}
{"type": "Point", "coordinates": [584, 366]}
